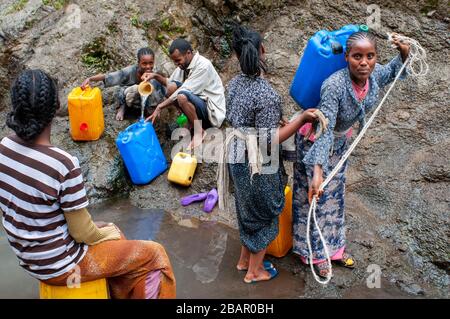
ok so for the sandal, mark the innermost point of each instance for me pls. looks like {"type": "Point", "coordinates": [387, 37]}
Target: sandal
{"type": "Point", "coordinates": [322, 269]}
{"type": "Point", "coordinates": [211, 200]}
{"type": "Point", "coordinates": [347, 261]}
{"type": "Point", "coordinates": [187, 200]}
{"type": "Point", "coordinates": [273, 272]}
{"type": "Point", "coordinates": [267, 265]}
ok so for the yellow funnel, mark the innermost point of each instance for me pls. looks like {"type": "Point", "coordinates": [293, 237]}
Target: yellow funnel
{"type": "Point", "coordinates": [145, 88]}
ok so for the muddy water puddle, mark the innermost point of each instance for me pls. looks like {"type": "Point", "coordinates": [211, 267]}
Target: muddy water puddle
{"type": "Point", "coordinates": [203, 256]}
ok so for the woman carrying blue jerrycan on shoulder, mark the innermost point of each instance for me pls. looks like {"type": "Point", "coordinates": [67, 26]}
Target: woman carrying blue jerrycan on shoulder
{"type": "Point", "coordinates": [254, 108]}
{"type": "Point", "coordinates": [346, 97]}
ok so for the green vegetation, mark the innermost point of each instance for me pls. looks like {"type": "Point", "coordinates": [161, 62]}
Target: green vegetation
{"type": "Point", "coordinates": [138, 23]}
{"type": "Point", "coordinates": [225, 49]}
{"type": "Point", "coordinates": [165, 49]}
{"type": "Point", "coordinates": [135, 21]}
{"type": "Point", "coordinates": [112, 27]}
{"type": "Point", "coordinates": [226, 39]}
{"type": "Point", "coordinates": [160, 38]}
{"type": "Point", "coordinates": [57, 4]}
{"type": "Point", "coordinates": [162, 31]}
{"type": "Point", "coordinates": [17, 6]}
{"type": "Point", "coordinates": [165, 31]}
{"type": "Point", "coordinates": [95, 55]}
{"type": "Point", "coordinates": [430, 5]}
{"type": "Point", "coordinates": [165, 24]}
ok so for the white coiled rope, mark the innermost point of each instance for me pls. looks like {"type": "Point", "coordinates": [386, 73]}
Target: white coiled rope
{"type": "Point", "coordinates": [416, 66]}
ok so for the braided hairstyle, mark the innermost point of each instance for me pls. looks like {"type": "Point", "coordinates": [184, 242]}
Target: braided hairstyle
{"type": "Point", "coordinates": [361, 35]}
{"type": "Point", "coordinates": [144, 51]}
{"type": "Point", "coordinates": [246, 43]}
{"type": "Point", "coordinates": [34, 98]}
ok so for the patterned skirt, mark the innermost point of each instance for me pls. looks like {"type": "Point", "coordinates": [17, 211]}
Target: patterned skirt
{"type": "Point", "coordinates": [330, 208]}
{"type": "Point", "coordinates": [258, 203]}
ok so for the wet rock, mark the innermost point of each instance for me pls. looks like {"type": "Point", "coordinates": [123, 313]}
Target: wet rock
{"type": "Point", "coordinates": [413, 289]}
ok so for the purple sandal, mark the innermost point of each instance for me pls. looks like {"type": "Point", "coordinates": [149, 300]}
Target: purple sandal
{"type": "Point", "coordinates": [187, 200]}
{"type": "Point", "coordinates": [211, 201]}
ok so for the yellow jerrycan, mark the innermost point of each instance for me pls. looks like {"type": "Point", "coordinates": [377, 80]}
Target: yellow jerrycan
{"type": "Point", "coordinates": [86, 114]}
{"type": "Point", "coordinates": [280, 246]}
{"type": "Point", "coordinates": [182, 169]}
{"type": "Point", "coordinates": [97, 289]}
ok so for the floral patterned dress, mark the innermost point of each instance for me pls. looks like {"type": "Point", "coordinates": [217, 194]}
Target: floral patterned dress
{"type": "Point", "coordinates": [343, 109]}
{"type": "Point", "coordinates": [253, 104]}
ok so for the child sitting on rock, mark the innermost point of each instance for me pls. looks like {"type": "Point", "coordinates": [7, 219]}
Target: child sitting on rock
{"type": "Point", "coordinates": [128, 80]}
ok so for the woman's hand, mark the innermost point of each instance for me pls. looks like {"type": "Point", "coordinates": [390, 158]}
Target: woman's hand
{"type": "Point", "coordinates": [156, 113]}
{"type": "Point", "coordinates": [317, 180]}
{"type": "Point", "coordinates": [308, 116]}
{"type": "Point", "coordinates": [401, 46]}
{"type": "Point", "coordinates": [283, 122]}
{"type": "Point", "coordinates": [147, 76]}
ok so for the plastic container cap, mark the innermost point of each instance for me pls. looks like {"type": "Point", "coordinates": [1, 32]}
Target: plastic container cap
{"type": "Point", "coordinates": [364, 28]}
{"type": "Point", "coordinates": [182, 120]}
{"type": "Point", "coordinates": [83, 127]}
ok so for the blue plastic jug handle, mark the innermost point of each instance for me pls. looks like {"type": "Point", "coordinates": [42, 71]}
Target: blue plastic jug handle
{"type": "Point", "coordinates": [126, 138]}
{"type": "Point", "coordinates": [324, 39]}
{"type": "Point", "coordinates": [346, 30]}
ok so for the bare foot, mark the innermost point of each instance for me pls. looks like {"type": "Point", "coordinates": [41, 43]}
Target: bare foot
{"type": "Point", "coordinates": [197, 140]}
{"type": "Point", "coordinates": [260, 275]}
{"type": "Point", "coordinates": [242, 265]}
{"type": "Point", "coordinates": [120, 113]}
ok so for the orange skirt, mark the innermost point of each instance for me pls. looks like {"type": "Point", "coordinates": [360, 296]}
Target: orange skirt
{"type": "Point", "coordinates": [128, 265]}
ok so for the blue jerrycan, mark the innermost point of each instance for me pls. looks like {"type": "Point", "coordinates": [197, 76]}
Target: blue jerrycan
{"type": "Point", "coordinates": [324, 55]}
{"type": "Point", "coordinates": [141, 152]}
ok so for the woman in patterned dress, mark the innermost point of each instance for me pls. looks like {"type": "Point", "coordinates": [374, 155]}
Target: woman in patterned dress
{"type": "Point", "coordinates": [253, 104]}
{"type": "Point", "coordinates": [346, 97]}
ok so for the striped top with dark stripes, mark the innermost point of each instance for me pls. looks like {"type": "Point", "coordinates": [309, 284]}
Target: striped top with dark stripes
{"type": "Point", "coordinates": [38, 184]}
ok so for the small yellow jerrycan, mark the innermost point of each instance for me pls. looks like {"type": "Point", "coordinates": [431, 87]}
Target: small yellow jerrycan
{"type": "Point", "coordinates": [182, 169]}
{"type": "Point", "coordinates": [97, 289]}
{"type": "Point", "coordinates": [86, 114]}
{"type": "Point", "coordinates": [280, 246]}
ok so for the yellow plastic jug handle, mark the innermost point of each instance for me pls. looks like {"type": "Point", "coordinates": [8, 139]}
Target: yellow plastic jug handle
{"type": "Point", "coordinates": [86, 89]}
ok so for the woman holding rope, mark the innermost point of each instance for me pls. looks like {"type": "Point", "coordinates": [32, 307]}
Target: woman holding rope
{"type": "Point", "coordinates": [346, 97]}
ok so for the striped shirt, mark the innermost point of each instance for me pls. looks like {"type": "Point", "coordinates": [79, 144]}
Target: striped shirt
{"type": "Point", "coordinates": [38, 184]}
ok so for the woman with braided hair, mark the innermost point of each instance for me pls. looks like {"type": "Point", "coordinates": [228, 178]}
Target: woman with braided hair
{"type": "Point", "coordinates": [128, 80]}
{"type": "Point", "coordinates": [346, 97]}
{"type": "Point", "coordinates": [43, 200]}
{"type": "Point", "coordinates": [253, 105]}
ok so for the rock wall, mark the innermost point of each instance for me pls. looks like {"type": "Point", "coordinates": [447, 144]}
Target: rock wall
{"type": "Point", "coordinates": [398, 198]}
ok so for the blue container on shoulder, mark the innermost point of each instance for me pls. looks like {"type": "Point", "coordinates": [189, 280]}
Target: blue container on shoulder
{"type": "Point", "coordinates": [324, 55]}
{"type": "Point", "coordinates": [141, 152]}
